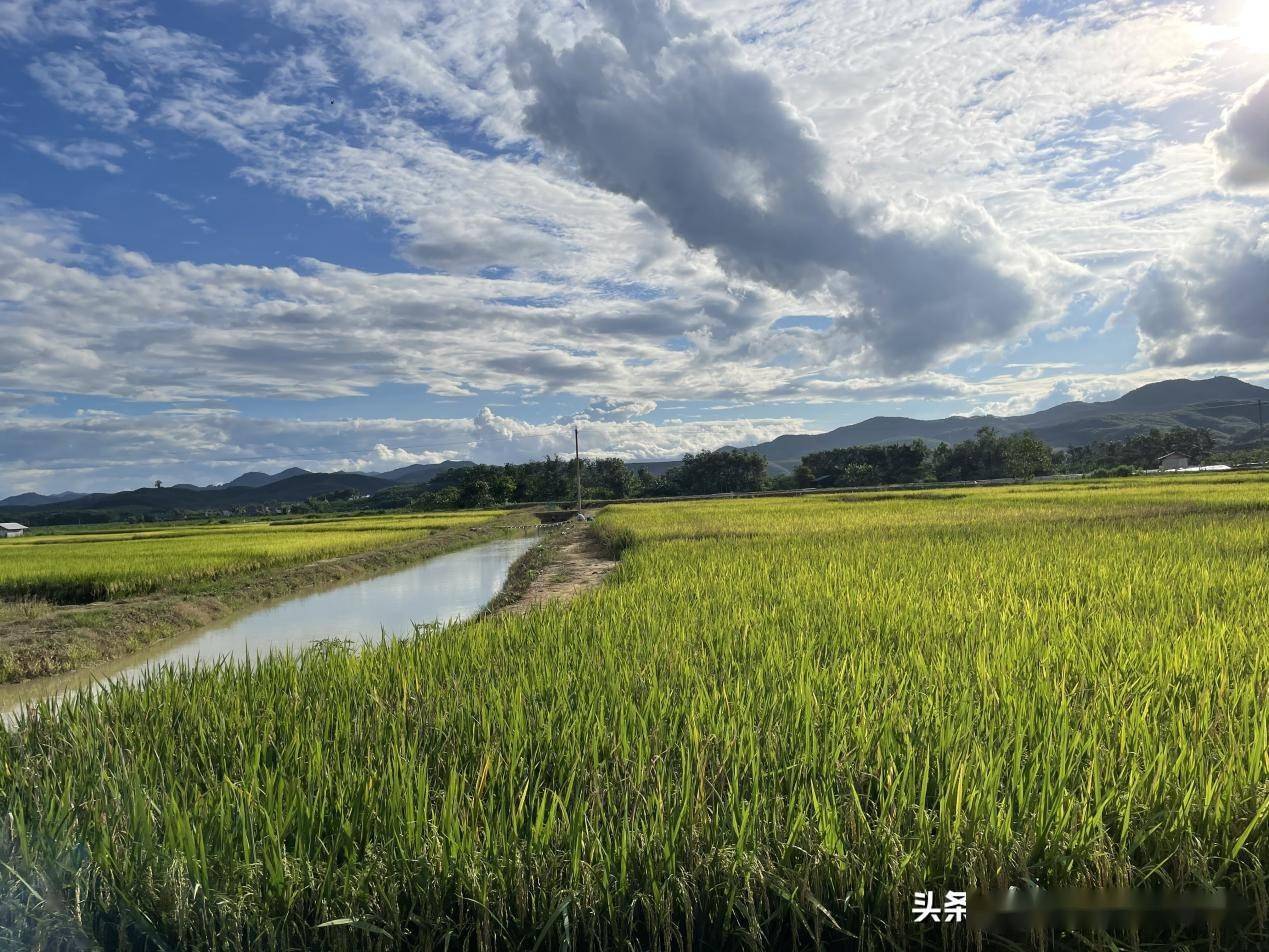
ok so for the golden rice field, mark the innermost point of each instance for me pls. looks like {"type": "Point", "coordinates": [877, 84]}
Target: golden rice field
{"type": "Point", "coordinates": [774, 724]}
{"type": "Point", "coordinates": [92, 566]}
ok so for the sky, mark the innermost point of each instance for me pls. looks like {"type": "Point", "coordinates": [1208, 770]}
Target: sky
{"type": "Point", "coordinates": [358, 234]}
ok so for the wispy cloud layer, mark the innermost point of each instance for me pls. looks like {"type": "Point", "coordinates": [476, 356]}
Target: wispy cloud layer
{"type": "Point", "coordinates": [317, 330]}
{"type": "Point", "coordinates": [103, 450]}
{"type": "Point", "coordinates": [84, 154]}
{"type": "Point", "coordinates": [75, 82]}
{"type": "Point", "coordinates": [625, 203]}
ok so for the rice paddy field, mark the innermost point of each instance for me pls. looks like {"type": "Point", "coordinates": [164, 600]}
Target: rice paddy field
{"type": "Point", "coordinates": [774, 724]}
{"type": "Point", "coordinates": [68, 568]}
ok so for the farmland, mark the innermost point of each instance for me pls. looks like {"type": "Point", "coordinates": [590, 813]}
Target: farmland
{"type": "Point", "coordinates": [70, 600]}
{"type": "Point", "coordinates": [777, 721]}
{"type": "Point", "coordinates": [83, 567]}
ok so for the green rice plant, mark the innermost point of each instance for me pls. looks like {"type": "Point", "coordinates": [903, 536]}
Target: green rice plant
{"type": "Point", "coordinates": [85, 567]}
{"type": "Point", "coordinates": [774, 724]}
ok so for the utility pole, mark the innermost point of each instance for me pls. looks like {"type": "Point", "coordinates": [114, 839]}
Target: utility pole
{"type": "Point", "coordinates": [577, 461]}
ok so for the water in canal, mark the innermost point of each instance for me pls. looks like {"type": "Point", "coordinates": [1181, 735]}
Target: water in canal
{"type": "Point", "coordinates": [447, 588]}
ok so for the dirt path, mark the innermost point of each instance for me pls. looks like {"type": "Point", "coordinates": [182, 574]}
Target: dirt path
{"type": "Point", "coordinates": [572, 562]}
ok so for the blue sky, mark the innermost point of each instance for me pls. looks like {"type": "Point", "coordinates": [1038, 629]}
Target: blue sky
{"type": "Point", "coordinates": [356, 234]}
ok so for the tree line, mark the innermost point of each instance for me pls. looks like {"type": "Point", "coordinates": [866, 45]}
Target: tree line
{"type": "Point", "coordinates": [988, 455]}
{"type": "Point", "coordinates": [555, 479]}
{"type": "Point", "coordinates": [1141, 451]}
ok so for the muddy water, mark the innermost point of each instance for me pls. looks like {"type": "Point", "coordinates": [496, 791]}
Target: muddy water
{"type": "Point", "coordinates": [447, 588]}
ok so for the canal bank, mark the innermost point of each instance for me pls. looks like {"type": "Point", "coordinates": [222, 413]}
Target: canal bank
{"type": "Point", "coordinates": [441, 590]}
{"type": "Point", "coordinates": [63, 639]}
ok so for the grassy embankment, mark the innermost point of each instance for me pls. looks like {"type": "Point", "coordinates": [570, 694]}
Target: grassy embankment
{"type": "Point", "coordinates": [69, 600]}
{"type": "Point", "coordinates": [777, 721]}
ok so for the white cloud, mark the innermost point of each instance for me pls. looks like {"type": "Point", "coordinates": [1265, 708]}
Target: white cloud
{"type": "Point", "coordinates": [395, 456]}
{"type": "Point", "coordinates": [76, 83]}
{"type": "Point", "coordinates": [607, 408]}
{"type": "Point", "coordinates": [148, 52]}
{"type": "Point", "coordinates": [31, 20]}
{"type": "Point", "coordinates": [1242, 142]}
{"type": "Point", "coordinates": [1209, 304]}
{"type": "Point", "coordinates": [16, 17]}
{"type": "Point", "coordinates": [661, 108]}
{"type": "Point", "coordinates": [108, 451]}
{"type": "Point", "coordinates": [81, 155]}
{"type": "Point", "coordinates": [95, 320]}
{"type": "Point", "coordinates": [1070, 332]}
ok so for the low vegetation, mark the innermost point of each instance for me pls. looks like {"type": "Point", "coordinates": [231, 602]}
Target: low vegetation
{"type": "Point", "coordinates": [68, 568]}
{"type": "Point", "coordinates": [555, 480]}
{"type": "Point", "coordinates": [779, 719]}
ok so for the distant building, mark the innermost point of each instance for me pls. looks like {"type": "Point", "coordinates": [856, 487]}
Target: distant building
{"type": "Point", "coordinates": [1174, 460]}
{"type": "Point", "coordinates": [11, 530]}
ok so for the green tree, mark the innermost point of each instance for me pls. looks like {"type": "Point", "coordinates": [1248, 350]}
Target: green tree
{"type": "Point", "coordinates": [804, 476]}
{"type": "Point", "coordinates": [649, 484]}
{"type": "Point", "coordinates": [986, 456]}
{"type": "Point", "coordinates": [477, 495]}
{"type": "Point", "coordinates": [870, 464]}
{"type": "Point", "coordinates": [1027, 457]}
{"type": "Point", "coordinates": [611, 478]}
{"type": "Point", "coordinates": [859, 474]}
{"type": "Point", "coordinates": [720, 471]}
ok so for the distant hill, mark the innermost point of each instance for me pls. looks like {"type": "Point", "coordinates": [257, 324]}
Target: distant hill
{"type": "Point", "coordinates": [656, 467]}
{"type": "Point", "coordinates": [1168, 403]}
{"type": "Point", "coordinates": [419, 473]}
{"type": "Point", "coordinates": [299, 488]}
{"type": "Point", "coordinates": [35, 499]}
{"type": "Point", "coordinates": [256, 480]}
{"type": "Point", "coordinates": [250, 489]}
{"type": "Point", "coordinates": [169, 499]}
{"type": "Point", "coordinates": [406, 475]}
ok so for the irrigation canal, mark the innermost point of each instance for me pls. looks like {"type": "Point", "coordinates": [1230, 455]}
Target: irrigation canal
{"type": "Point", "coordinates": [443, 589]}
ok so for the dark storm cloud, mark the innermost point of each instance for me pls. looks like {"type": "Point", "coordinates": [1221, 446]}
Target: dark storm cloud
{"type": "Point", "coordinates": [659, 107]}
{"type": "Point", "coordinates": [1212, 307]}
{"type": "Point", "coordinates": [1242, 143]}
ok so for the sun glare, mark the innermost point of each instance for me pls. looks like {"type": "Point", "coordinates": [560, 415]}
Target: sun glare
{"type": "Point", "coordinates": [1255, 25]}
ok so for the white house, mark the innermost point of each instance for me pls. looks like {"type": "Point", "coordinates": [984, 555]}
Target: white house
{"type": "Point", "coordinates": [11, 530]}
{"type": "Point", "coordinates": [1174, 460]}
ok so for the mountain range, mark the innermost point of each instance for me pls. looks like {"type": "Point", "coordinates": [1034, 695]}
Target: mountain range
{"type": "Point", "coordinates": [35, 499]}
{"type": "Point", "coordinates": [254, 488]}
{"type": "Point", "coordinates": [1225, 405]}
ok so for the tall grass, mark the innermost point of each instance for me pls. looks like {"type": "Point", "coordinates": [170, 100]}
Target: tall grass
{"type": "Point", "coordinates": [779, 720]}
{"type": "Point", "coordinates": [93, 566]}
